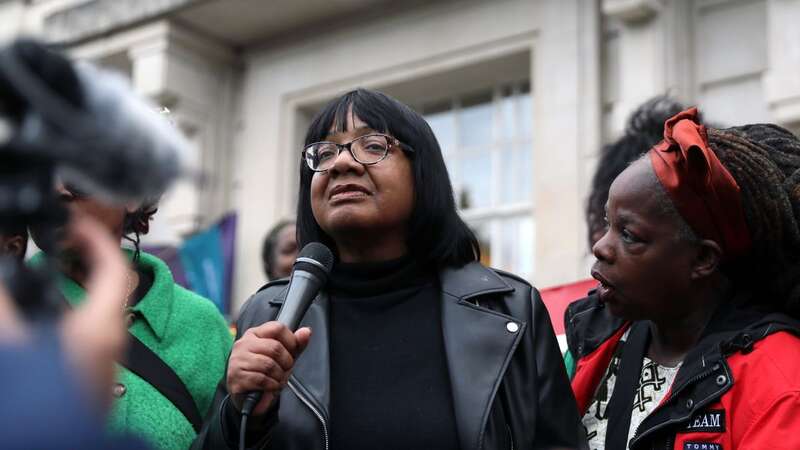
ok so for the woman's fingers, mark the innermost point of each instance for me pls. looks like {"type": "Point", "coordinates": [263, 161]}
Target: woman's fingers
{"type": "Point", "coordinates": [247, 381]}
{"type": "Point", "coordinates": [252, 355]}
{"type": "Point", "coordinates": [12, 327]}
{"type": "Point", "coordinates": [264, 365]}
{"type": "Point", "coordinates": [303, 336]}
{"type": "Point", "coordinates": [94, 333]}
{"type": "Point", "coordinates": [262, 360]}
{"type": "Point", "coordinates": [106, 286]}
{"type": "Point", "coordinates": [278, 331]}
{"type": "Point", "coordinates": [266, 353]}
{"type": "Point", "coordinates": [266, 401]}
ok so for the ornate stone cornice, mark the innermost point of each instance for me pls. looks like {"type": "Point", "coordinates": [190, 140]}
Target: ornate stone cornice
{"type": "Point", "coordinates": [631, 10]}
{"type": "Point", "coordinates": [96, 17]}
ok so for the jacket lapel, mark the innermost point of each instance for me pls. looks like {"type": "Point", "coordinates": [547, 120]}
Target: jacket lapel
{"type": "Point", "coordinates": [311, 372]}
{"type": "Point", "coordinates": [478, 344]}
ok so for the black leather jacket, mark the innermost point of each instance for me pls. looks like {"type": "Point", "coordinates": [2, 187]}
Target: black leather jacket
{"type": "Point", "coordinates": [510, 388]}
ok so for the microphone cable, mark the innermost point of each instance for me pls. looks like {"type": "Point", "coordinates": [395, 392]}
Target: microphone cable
{"type": "Point", "coordinates": [243, 430]}
{"type": "Point", "coordinates": [247, 408]}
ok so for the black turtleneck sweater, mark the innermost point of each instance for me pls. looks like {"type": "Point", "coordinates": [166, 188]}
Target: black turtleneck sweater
{"type": "Point", "coordinates": [390, 386]}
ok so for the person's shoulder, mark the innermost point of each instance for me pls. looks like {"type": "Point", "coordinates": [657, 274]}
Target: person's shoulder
{"type": "Point", "coordinates": [776, 357]}
{"type": "Point", "coordinates": [199, 312]}
{"type": "Point", "coordinates": [194, 303]}
{"type": "Point", "coordinates": [488, 286]}
{"type": "Point", "coordinates": [767, 373]}
{"type": "Point", "coordinates": [588, 324]}
{"type": "Point", "coordinates": [474, 278]}
{"type": "Point", "coordinates": [272, 291]}
{"type": "Point", "coordinates": [262, 305]}
{"type": "Point", "coordinates": [191, 305]}
{"type": "Point", "coordinates": [508, 292]}
{"type": "Point", "coordinates": [513, 280]}
{"type": "Point", "coordinates": [273, 287]}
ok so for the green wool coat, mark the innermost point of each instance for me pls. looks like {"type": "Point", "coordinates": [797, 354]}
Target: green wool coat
{"type": "Point", "coordinates": [188, 333]}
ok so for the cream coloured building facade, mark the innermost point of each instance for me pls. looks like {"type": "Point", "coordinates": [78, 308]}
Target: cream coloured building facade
{"type": "Point", "coordinates": [521, 94]}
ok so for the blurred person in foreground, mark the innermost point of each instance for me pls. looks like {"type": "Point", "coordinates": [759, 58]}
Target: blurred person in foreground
{"type": "Point", "coordinates": [691, 340]}
{"type": "Point", "coordinates": [57, 380]}
{"type": "Point", "coordinates": [279, 250]}
{"type": "Point", "coordinates": [178, 340]}
{"type": "Point", "coordinates": [415, 344]}
{"type": "Point", "coordinates": [14, 240]}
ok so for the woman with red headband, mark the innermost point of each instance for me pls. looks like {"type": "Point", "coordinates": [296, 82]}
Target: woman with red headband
{"type": "Point", "coordinates": [690, 341]}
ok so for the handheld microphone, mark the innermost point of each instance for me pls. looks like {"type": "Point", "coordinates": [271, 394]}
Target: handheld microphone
{"type": "Point", "coordinates": [309, 274]}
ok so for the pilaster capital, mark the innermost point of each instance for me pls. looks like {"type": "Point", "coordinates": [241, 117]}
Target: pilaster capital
{"type": "Point", "coordinates": [631, 10]}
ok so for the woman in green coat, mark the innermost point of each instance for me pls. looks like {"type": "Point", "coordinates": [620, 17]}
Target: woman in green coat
{"type": "Point", "coordinates": [182, 329]}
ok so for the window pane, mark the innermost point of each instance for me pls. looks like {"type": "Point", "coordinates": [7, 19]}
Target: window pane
{"type": "Point", "coordinates": [508, 243]}
{"type": "Point", "coordinates": [524, 173]}
{"type": "Point", "coordinates": [518, 245]}
{"type": "Point", "coordinates": [508, 183]}
{"type": "Point", "coordinates": [476, 172]}
{"type": "Point", "coordinates": [516, 172]}
{"type": "Point", "coordinates": [525, 104]}
{"type": "Point", "coordinates": [452, 164]}
{"type": "Point", "coordinates": [482, 231]}
{"type": "Point", "coordinates": [444, 127]}
{"type": "Point", "coordinates": [475, 122]}
{"type": "Point", "coordinates": [509, 116]}
{"type": "Point", "coordinates": [527, 246]}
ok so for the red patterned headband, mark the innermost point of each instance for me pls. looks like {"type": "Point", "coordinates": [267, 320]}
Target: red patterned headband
{"type": "Point", "coordinates": [703, 191]}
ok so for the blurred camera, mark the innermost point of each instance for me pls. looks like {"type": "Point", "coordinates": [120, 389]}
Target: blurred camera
{"type": "Point", "coordinates": [83, 126]}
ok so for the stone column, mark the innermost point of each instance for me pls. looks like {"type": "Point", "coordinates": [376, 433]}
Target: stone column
{"type": "Point", "coordinates": [567, 129]}
{"type": "Point", "coordinates": [782, 78]}
{"type": "Point", "coordinates": [640, 64]}
{"type": "Point", "coordinates": [195, 79]}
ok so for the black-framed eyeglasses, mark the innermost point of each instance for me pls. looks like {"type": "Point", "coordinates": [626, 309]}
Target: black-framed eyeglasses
{"type": "Point", "coordinates": [368, 149]}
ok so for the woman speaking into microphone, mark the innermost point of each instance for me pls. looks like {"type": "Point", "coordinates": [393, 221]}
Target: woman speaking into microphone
{"type": "Point", "coordinates": [415, 344]}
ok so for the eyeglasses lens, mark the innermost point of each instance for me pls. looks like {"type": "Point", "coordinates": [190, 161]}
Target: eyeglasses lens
{"type": "Point", "coordinates": [367, 149]}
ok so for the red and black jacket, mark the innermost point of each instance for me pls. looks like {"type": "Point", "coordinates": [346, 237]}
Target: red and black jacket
{"type": "Point", "coordinates": [738, 388]}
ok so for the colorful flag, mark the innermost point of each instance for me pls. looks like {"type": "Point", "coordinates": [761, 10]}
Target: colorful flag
{"type": "Point", "coordinates": [207, 260]}
{"type": "Point", "coordinates": [203, 263]}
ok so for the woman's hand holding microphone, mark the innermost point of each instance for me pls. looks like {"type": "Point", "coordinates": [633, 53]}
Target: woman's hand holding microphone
{"type": "Point", "coordinates": [262, 360]}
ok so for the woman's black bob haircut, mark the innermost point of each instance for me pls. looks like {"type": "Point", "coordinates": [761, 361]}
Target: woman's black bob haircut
{"type": "Point", "coordinates": [436, 234]}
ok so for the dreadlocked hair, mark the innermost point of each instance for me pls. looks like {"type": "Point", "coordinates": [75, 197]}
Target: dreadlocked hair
{"type": "Point", "coordinates": [137, 223]}
{"type": "Point", "coordinates": [764, 159]}
{"type": "Point", "coordinates": [644, 129]}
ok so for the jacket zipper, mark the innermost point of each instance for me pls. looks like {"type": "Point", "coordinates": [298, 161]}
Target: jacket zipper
{"type": "Point", "coordinates": [314, 410]}
{"type": "Point", "coordinates": [636, 436]}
